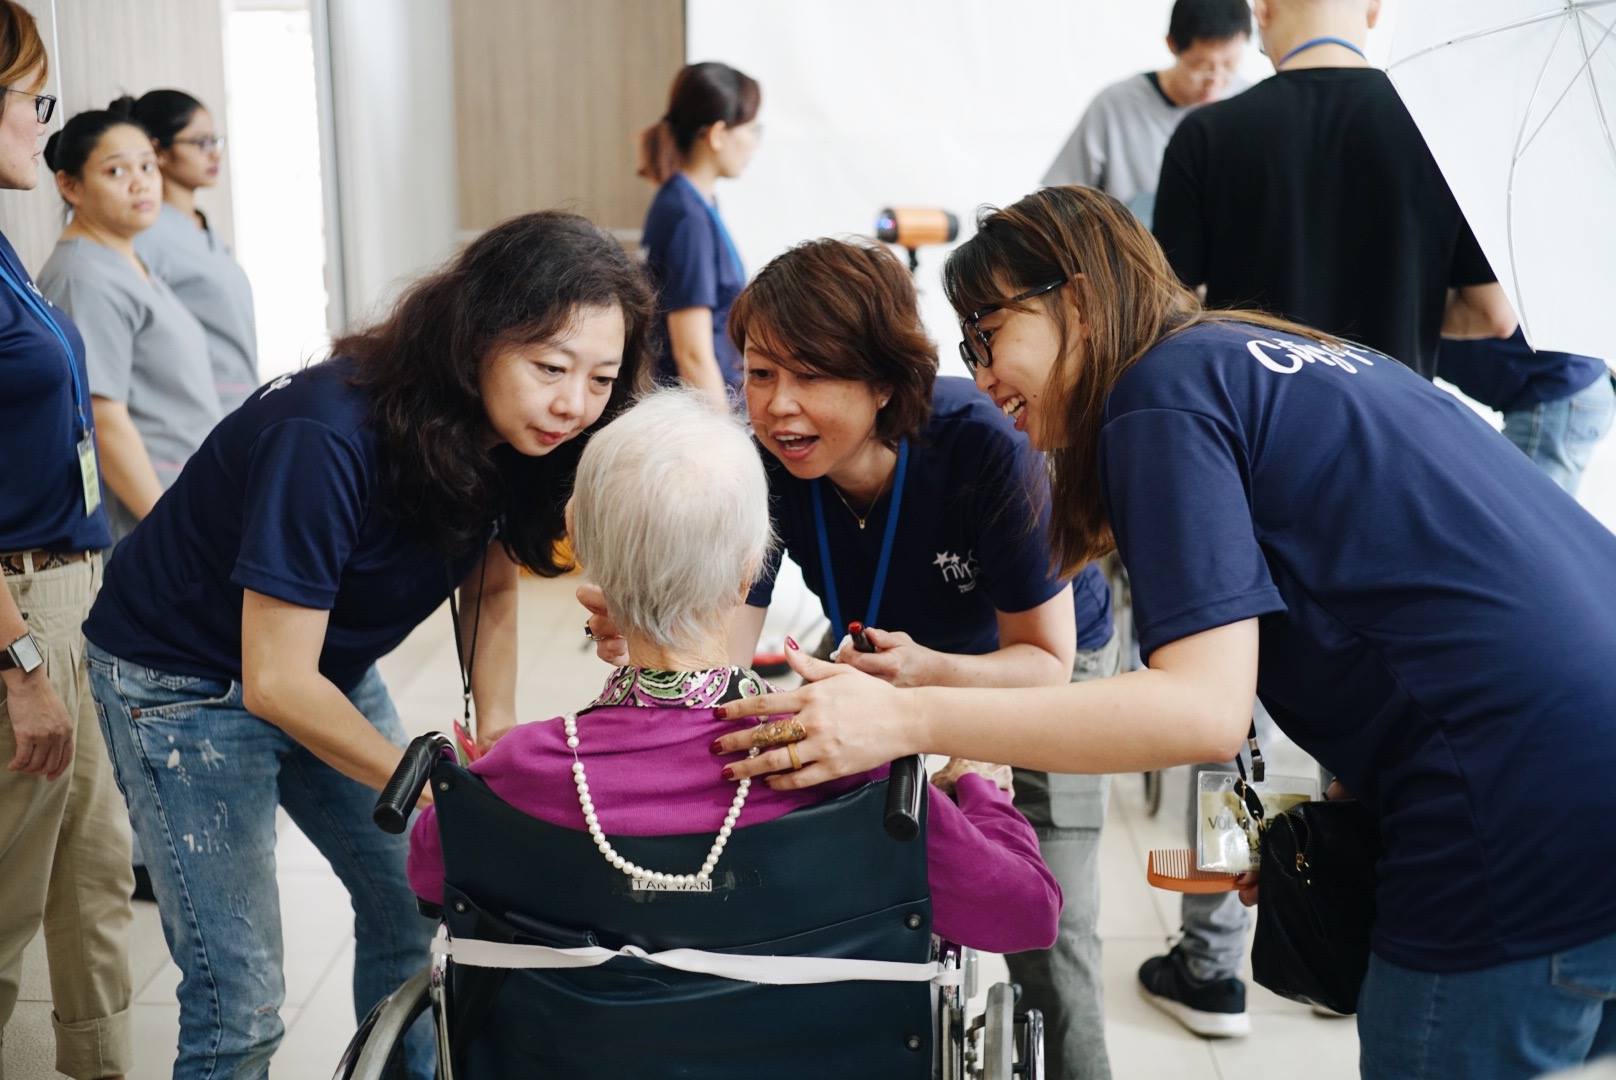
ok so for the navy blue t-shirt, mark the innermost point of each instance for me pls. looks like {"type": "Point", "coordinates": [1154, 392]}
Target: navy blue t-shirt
{"type": "Point", "coordinates": [968, 544]}
{"type": "Point", "coordinates": [1505, 374]}
{"type": "Point", "coordinates": [1432, 619]}
{"type": "Point", "coordinates": [283, 498]}
{"type": "Point", "coordinates": [41, 422]}
{"type": "Point", "coordinates": [693, 263]}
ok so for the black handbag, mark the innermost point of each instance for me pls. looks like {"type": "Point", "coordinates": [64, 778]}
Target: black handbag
{"type": "Point", "coordinates": [1315, 898]}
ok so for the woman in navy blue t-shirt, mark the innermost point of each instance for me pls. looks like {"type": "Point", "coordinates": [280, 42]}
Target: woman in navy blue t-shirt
{"type": "Point", "coordinates": [1309, 520]}
{"type": "Point", "coordinates": [233, 648]}
{"type": "Point", "coordinates": [709, 132]}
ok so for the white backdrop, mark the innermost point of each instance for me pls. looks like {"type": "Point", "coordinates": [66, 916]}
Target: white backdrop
{"type": "Point", "coordinates": [950, 103]}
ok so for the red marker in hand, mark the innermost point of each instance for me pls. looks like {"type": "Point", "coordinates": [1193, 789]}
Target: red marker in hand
{"type": "Point", "coordinates": [861, 640]}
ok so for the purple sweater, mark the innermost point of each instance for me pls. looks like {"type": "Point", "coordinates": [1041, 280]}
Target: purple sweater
{"type": "Point", "coordinates": [650, 774]}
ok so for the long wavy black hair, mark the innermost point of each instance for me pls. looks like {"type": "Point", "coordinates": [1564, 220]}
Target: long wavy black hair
{"type": "Point", "coordinates": [522, 282]}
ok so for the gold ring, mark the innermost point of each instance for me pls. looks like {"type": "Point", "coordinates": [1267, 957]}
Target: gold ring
{"type": "Point", "coordinates": [796, 762]}
{"type": "Point", "coordinates": [795, 729]}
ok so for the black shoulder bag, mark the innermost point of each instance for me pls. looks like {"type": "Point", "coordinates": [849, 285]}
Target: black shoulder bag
{"type": "Point", "coordinates": [1315, 897]}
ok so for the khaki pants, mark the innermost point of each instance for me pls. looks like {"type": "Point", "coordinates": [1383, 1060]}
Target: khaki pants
{"type": "Point", "coordinates": [64, 848]}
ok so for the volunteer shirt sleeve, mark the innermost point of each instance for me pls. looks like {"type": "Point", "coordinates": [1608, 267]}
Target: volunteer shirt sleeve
{"type": "Point", "coordinates": [690, 265]}
{"type": "Point", "coordinates": [1175, 485]}
{"type": "Point", "coordinates": [303, 506]}
{"type": "Point", "coordinates": [762, 591]}
{"type": "Point", "coordinates": [1011, 504]}
{"type": "Point", "coordinates": [107, 322]}
{"type": "Point", "coordinates": [1179, 218]}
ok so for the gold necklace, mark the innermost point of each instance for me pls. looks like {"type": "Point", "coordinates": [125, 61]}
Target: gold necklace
{"type": "Point", "coordinates": [862, 519]}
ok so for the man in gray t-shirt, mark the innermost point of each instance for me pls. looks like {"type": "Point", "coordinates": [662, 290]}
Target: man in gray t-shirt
{"type": "Point", "coordinates": [1117, 146]}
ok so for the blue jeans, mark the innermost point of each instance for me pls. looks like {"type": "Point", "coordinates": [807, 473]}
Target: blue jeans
{"type": "Point", "coordinates": [1508, 1022]}
{"type": "Point", "coordinates": [1560, 436]}
{"type": "Point", "coordinates": [202, 777]}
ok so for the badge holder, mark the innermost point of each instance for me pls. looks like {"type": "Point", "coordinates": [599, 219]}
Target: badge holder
{"type": "Point", "coordinates": [1232, 810]}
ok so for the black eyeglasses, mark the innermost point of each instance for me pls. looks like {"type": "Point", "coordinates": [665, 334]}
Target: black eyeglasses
{"type": "Point", "coordinates": [974, 348]}
{"type": "Point", "coordinates": [44, 104]}
{"type": "Point", "coordinates": [205, 143]}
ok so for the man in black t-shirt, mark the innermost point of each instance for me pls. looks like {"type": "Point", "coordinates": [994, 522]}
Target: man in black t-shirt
{"type": "Point", "coordinates": [1312, 196]}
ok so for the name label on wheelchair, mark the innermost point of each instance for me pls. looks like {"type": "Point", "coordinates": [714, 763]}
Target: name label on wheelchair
{"type": "Point", "coordinates": [644, 884]}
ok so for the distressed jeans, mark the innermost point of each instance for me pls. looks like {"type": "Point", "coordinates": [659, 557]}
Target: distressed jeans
{"type": "Point", "coordinates": [202, 777]}
{"type": "Point", "coordinates": [1560, 436]}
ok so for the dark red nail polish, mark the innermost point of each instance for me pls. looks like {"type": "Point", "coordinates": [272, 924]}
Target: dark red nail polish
{"type": "Point", "coordinates": [721, 713]}
{"type": "Point", "coordinates": [791, 643]}
{"type": "Point", "coordinates": [728, 773]}
{"type": "Point", "coordinates": [715, 748]}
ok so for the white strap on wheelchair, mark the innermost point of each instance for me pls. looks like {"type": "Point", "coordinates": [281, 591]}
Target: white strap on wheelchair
{"type": "Point", "coordinates": [768, 970]}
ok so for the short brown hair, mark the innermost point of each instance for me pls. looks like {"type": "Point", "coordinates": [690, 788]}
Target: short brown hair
{"type": "Point", "coordinates": [1129, 299]}
{"type": "Point", "coordinates": [21, 50]}
{"type": "Point", "coordinates": [845, 309]}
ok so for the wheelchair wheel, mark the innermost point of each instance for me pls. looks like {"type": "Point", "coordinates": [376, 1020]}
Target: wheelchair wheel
{"type": "Point", "coordinates": [380, 1038]}
{"type": "Point", "coordinates": [1153, 792]}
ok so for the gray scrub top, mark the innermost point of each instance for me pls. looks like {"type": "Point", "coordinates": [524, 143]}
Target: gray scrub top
{"type": "Point", "coordinates": [141, 347]}
{"type": "Point", "coordinates": [198, 266]}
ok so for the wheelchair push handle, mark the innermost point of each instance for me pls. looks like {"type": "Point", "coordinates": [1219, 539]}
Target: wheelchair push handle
{"type": "Point", "coordinates": [403, 788]}
{"type": "Point", "coordinates": [906, 786]}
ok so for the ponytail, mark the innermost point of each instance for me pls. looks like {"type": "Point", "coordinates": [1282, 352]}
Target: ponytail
{"type": "Point", "coordinates": [659, 153]}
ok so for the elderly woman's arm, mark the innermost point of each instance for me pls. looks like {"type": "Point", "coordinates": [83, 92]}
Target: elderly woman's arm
{"type": "Point", "coordinates": [990, 889]}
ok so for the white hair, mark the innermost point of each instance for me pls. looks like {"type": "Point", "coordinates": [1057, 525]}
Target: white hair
{"type": "Point", "coordinates": [670, 516]}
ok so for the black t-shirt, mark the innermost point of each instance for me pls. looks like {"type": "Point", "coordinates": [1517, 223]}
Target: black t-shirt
{"type": "Point", "coordinates": [1313, 196]}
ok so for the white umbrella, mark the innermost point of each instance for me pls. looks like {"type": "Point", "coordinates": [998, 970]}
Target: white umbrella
{"type": "Point", "coordinates": [1517, 101]}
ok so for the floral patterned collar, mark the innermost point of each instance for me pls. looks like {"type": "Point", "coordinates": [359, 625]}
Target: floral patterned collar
{"type": "Point", "coordinates": [651, 688]}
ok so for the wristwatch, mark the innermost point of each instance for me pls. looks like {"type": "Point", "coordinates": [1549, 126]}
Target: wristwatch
{"type": "Point", "coordinates": [22, 654]}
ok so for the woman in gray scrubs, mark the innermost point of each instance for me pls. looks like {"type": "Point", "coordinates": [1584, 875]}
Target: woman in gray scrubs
{"type": "Point", "coordinates": [151, 382]}
{"type": "Point", "coordinates": [185, 252]}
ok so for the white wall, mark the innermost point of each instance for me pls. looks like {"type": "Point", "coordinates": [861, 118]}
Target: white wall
{"type": "Point", "coordinates": [393, 99]}
{"type": "Point", "coordinates": [950, 103]}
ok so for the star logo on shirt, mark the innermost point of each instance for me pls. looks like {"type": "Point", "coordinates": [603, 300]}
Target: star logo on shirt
{"type": "Point", "coordinates": [957, 571]}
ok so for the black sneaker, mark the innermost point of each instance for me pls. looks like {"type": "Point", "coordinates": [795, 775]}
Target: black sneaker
{"type": "Point", "coordinates": [1215, 1009]}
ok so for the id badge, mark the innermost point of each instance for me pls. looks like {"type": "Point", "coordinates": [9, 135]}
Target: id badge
{"type": "Point", "coordinates": [89, 474]}
{"type": "Point", "coordinates": [1228, 834]}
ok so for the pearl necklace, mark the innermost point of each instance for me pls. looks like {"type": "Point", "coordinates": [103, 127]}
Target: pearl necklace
{"type": "Point", "coordinates": [632, 870]}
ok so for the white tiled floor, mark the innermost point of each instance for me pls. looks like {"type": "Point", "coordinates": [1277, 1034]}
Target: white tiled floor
{"type": "Point", "coordinates": [1135, 920]}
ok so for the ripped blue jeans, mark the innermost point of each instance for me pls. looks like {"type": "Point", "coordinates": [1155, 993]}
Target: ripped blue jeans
{"type": "Point", "coordinates": [202, 777]}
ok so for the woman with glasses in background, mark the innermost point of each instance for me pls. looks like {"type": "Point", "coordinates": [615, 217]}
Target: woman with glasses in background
{"type": "Point", "coordinates": [64, 835]}
{"type": "Point", "coordinates": [182, 249]}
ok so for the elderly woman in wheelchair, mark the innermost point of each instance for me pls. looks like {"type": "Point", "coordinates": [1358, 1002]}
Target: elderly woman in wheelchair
{"type": "Point", "coordinates": [611, 906]}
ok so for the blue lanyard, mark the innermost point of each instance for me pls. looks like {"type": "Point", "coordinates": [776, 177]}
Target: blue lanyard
{"type": "Point", "coordinates": [718, 223]}
{"type": "Point", "coordinates": [1313, 43]}
{"type": "Point", "coordinates": [832, 603]}
{"type": "Point", "coordinates": [37, 306]}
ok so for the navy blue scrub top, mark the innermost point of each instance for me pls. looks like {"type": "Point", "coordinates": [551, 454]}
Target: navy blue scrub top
{"type": "Point", "coordinates": [693, 263]}
{"type": "Point", "coordinates": [968, 543]}
{"type": "Point", "coordinates": [283, 498]}
{"type": "Point", "coordinates": [1434, 626]}
{"type": "Point", "coordinates": [42, 420]}
{"type": "Point", "coordinates": [1505, 374]}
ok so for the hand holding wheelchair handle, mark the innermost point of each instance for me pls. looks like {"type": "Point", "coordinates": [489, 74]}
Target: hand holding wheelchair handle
{"type": "Point", "coordinates": [403, 789]}
{"type": "Point", "coordinates": [906, 783]}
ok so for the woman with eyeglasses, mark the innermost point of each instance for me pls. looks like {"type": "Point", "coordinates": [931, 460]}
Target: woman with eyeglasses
{"type": "Point", "coordinates": [183, 250]}
{"type": "Point", "coordinates": [915, 509]}
{"type": "Point", "coordinates": [64, 832]}
{"type": "Point", "coordinates": [709, 133]}
{"type": "Point", "coordinates": [151, 380]}
{"type": "Point", "coordinates": [1311, 521]}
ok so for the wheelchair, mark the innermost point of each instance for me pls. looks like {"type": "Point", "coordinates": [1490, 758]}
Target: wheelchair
{"type": "Point", "coordinates": [810, 957]}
